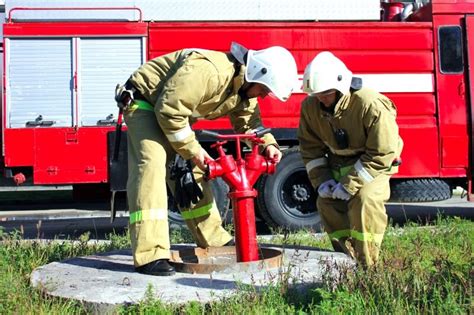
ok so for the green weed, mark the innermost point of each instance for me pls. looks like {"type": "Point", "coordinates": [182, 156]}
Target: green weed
{"type": "Point", "coordinates": [18, 258]}
{"type": "Point", "coordinates": [422, 270]}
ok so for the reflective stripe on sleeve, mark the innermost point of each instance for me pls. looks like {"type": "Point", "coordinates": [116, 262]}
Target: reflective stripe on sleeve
{"type": "Point", "coordinates": [196, 213]}
{"type": "Point", "coordinates": [315, 163]}
{"type": "Point", "coordinates": [148, 215]}
{"type": "Point", "coordinates": [363, 237]}
{"type": "Point", "coordinates": [362, 172]}
{"type": "Point", "coordinates": [180, 135]}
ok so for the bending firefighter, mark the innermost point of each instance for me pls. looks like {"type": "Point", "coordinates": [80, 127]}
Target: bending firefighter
{"type": "Point", "coordinates": [161, 100]}
{"type": "Point", "coordinates": [350, 145]}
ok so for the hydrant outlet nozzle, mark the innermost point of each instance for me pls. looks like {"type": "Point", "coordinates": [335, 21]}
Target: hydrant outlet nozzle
{"type": "Point", "coordinates": [241, 174]}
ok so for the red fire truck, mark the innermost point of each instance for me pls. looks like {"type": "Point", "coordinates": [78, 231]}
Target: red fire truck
{"type": "Point", "coordinates": [62, 60]}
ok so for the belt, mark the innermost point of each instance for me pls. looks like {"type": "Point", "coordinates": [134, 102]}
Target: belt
{"type": "Point", "coordinates": [337, 174]}
{"type": "Point", "coordinates": [140, 104]}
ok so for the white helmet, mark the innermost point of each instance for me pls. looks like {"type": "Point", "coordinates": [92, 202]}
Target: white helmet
{"type": "Point", "coordinates": [326, 72]}
{"type": "Point", "coordinates": [275, 68]}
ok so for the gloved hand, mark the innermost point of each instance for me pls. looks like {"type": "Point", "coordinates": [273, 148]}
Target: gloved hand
{"type": "Point", "coordinates": [340, 192]}
{"type": "Point", "coordinates": [186, 189]}
{"type": "Point", "coordinates": [325, 189]}
{"type": "Point", "coordinates": [123, 97]}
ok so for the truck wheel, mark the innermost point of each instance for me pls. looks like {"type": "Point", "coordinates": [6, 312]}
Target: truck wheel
{"type": "Point", "coordinates": [220, 190]}
{"type": "Point", "coordinates": [416, 190]}
{"type": "Point", "coordinates": [287, 199]}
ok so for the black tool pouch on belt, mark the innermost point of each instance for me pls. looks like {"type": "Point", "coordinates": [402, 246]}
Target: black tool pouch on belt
{"type": "Point", "coordinates": [187, 190]}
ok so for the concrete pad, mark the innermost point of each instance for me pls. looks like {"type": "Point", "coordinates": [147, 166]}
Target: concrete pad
{"type": "Point", "coordinates": [104, 281]}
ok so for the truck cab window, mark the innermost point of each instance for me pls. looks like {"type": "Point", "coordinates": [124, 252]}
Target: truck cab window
{"type": "Point", "coordinates": [450, 49]}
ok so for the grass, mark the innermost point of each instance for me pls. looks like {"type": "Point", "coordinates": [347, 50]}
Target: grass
{"type": "Point", "coordinates": [422, 270]}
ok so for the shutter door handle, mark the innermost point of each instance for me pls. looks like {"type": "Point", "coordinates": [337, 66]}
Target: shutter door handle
{"type": "Point", "coordinates": [108, 121]}
{"type": "Point", "coordinates": [40, 122]}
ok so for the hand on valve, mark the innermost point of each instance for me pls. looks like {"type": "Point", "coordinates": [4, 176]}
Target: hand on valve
{"type": "Point", "coordinates": [200, 160]}
{"type": "Point", "coordinates": [272, 152]}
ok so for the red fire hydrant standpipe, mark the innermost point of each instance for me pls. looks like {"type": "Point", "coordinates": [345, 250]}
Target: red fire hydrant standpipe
{"type": "Point", "coordinates": [241, 174]}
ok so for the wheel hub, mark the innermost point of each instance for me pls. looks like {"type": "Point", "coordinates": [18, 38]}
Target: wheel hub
{"type": "Point", "coordinates": [300, 192]}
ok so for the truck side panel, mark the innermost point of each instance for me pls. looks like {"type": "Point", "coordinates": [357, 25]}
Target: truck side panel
{"type": "Point", "coordinates": [470, 75]}
{"type": "Point", "coordinates": [452, 101]}
{"type": "Point", "coordinates": [394, 56]}
{"type": "Point", "coordinates": [72, 147]}
{"type": "Point", "coordinates": [398, 59]}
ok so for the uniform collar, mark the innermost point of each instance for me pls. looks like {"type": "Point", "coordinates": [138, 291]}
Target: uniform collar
{"type": "Point", "coordinates": [342, 104]}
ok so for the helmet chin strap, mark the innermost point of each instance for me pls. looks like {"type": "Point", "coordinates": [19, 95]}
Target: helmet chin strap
{"type": "Point", "coordinates": [338, 97]}
{"type": "Point", "coordinates": [244, 88]}
{"type": "Point", "coordinates": [239, 52]}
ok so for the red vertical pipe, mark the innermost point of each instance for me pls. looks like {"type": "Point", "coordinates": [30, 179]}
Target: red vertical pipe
{"type": "Point", "coordinates": [240, 175]}
{"type": "Point", "coordinates": [245, 230]}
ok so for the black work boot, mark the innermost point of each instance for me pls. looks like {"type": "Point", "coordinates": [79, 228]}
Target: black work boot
{"type": "Point", "coordinates": [159, 267]}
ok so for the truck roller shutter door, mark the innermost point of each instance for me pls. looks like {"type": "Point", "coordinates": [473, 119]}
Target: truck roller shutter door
{"type": "Point", "coordinates": [103, 63]}
{"type": "Point", "coordinates": [39, 87]}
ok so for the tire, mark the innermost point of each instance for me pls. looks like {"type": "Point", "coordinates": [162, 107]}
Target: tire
{"type": "Point", "coordinates": [287, 199]}
{"type": "Point", "coordinates": [219, 189]}
{"type": "Point", "coordinates": [419, 190]}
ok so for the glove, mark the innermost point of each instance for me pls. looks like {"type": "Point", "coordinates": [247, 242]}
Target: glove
{"type": "Point", "coordinates": [340, 192]}
{"type": "Point", "coordinates": [123, 97]}
{"type": "Point", "coordinates": [186, 189]}
{"type": "Point", "coordinates": [325, 189]}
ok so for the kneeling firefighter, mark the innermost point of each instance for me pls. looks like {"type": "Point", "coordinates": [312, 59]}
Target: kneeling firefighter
{"type": "Point", "coordinates": [350, 145]}
{"type": "Point", "coordinates": [161, 100]}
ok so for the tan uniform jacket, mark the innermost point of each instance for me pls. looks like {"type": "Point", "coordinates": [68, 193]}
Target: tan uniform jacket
{"type": "Point", "coordinates": [368, 118]}
{"type": "Point", "coordinates": [188, 85]}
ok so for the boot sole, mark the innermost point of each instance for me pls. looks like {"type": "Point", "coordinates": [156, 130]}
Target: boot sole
{"type": "Point", "coordinates": [163, 274]}
{"type": "Point", "coordinates": [159, 274]}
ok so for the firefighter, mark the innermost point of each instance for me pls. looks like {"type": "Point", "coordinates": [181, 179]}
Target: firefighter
{"type": "Point", "coordinates": [350, 145]}
{"type": "Point", "coordinates": [162, 99]}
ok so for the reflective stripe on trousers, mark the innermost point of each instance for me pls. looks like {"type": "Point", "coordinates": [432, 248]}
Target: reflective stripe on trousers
{"type": "Point", "coordinates": [149, 153]}
{"type": "Point", "coordinates": [148, 215]}
{"type": "Point", "coordinates": [363, 237]}
{"type": "Point", "coordinates": [362, 219]}
{"type": "Point", "coordinates": [196, 213]}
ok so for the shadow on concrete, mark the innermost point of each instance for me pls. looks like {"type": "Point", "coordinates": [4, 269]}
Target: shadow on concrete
{"type": "Point", "coordinates": [210, 283]}
{"type": "Point", "coordinates": [90, 262]}
{"type": "Point", "coordinates": [117, 261]}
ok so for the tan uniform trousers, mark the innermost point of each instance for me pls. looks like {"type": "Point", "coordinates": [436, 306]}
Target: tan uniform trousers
{"type": "Point", "coordinates": [149, 153]}
{"type": "Point", "coordinates": [357, 226]}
